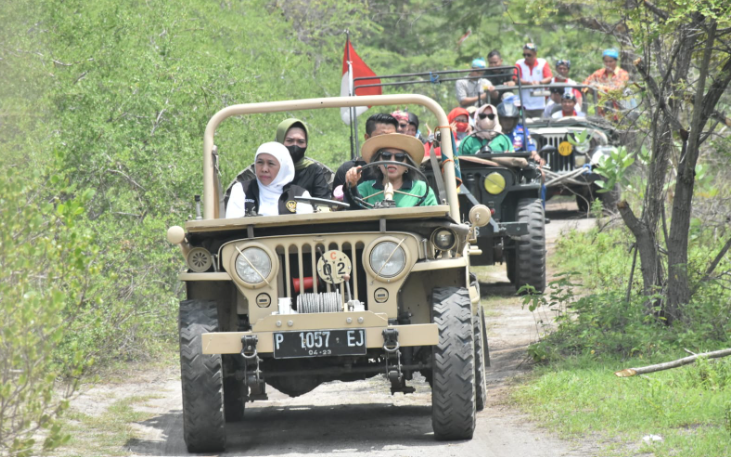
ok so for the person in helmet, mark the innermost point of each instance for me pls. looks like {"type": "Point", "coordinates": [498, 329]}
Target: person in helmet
{"type": "Point", "coordinates": [510, 121]}
{"type": "Point", "coordinates": [562, 67]}
{"type": "Point", "coordinates": [569, 107]}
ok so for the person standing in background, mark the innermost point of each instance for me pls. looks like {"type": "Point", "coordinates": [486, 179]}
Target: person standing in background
{"type": "Point", "coordinates": [494, 59]}
{"type": "Point", "coordinates": [610, 77]}
{"type": "Point", "coordinates": [474, 90]}
{"type": "Point", "coordinates": [562, 67]}
{"type": "Point", "coordinates": [533, 71]}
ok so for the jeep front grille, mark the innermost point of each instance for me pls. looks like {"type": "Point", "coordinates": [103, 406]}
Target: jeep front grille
{"type": "Point", "coordinates": [298, 261]}
{"type": "Point", "coordinates": [554, 160]}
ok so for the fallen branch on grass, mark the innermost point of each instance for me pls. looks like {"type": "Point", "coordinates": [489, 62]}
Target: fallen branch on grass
{"type": "Point", "coordinates": [673, 364]}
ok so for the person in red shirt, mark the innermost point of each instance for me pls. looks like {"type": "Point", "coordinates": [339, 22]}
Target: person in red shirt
{"type": "Point", "coordinates": [609, 78]}
{"type": "Point", "coordinates": [533, 71]}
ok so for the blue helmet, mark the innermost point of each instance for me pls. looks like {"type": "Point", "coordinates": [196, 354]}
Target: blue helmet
{"type": "Point", "coordinates": [478, 63]}
{"type": "Point", "coordinates": [612, 53]}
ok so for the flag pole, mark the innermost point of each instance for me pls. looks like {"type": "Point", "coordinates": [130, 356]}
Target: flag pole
{"type": "Point", "coordinates": [352, 93]}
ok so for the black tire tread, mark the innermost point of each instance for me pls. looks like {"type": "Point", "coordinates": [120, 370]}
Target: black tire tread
{"type": "Point", "coordinates": [531, 252]}
{"type": "Point", "coordinates": [479, 360]}
{"type": "Point", "coordinates": [454, 394]}
{"type": "Point", "coordinates": [201, 379]}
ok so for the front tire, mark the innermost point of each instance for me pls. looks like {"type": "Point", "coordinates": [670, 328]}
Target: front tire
{"type": "Point", "coordinates": [201, 379]}
{"type": "Point", "coordinates": [453, 380]}
{"type": "Point", "coordinates": [530, 255]}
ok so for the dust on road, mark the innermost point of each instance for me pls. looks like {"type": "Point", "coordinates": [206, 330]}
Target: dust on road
{"type": "Point", "coordinates": [359, 418]}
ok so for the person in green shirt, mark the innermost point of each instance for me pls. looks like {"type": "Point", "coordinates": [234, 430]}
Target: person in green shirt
{"type": "Point", "coordinates": [488, 132]}
{"type": "Point", "coordinates": [392, 178]}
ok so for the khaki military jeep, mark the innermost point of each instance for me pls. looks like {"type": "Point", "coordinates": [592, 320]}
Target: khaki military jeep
{"type": "Point", "coordinates": [297, 300]}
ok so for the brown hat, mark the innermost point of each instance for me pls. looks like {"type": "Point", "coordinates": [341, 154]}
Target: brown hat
{"type": "Point", "coordinates": [409, 144]}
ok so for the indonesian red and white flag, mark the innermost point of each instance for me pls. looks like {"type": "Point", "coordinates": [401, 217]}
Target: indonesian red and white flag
{"type": "Point", "coordinates": [354, 67]}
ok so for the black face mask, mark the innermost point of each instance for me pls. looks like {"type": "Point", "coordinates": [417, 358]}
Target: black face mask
{"type": "Point", "coordinates": [296, 152]}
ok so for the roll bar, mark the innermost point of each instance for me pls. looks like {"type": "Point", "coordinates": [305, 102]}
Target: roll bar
{"type": "Point", "coordinates": [210, 191]}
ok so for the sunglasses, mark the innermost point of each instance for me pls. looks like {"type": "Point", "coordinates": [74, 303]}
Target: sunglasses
{"type": "Point", "coordinates": [398, 156]}
{"type": "Point", "coordinates": [402, 126]}
{"type": "Point", "coordinates": [491, 116]}
{"type": "Point", "coordinates": [528, 54]}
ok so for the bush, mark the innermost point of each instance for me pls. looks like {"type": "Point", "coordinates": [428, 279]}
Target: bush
{"type": "Point", "coordinates": [46, 265]}
{"type": "Point", "coordinates": [603, 323]}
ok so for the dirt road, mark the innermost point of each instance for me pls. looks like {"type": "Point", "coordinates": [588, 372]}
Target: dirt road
{"type": "Point", "coordinates": [356, 418]}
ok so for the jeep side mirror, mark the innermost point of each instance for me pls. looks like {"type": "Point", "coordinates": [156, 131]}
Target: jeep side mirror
{"type": "Point", "coordinates": [479, 215]}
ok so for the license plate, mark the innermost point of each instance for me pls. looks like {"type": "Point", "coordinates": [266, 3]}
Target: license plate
{"type": "Point", "coordinates": [319, 343]}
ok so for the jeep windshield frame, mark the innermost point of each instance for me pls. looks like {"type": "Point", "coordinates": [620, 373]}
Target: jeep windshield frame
{"type": "Point", "coordinates": [211, 191]}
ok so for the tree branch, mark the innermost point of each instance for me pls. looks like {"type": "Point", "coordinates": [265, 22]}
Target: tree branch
{"type": "Point", "coordinates": [714, 263]}
{"type": "Point", "coordinates": [717, 88]}
{"type": "Point", "coordinates": [129, 179]}
{"type": "Point", "coordinates": [618, 30]}
{"type": "Point", "coordinates": [630, 219]}
{"type": "Point", "coordinates": [628, 372]}
{"type": "Point", "coordinates": [656, 93]}
{"type": "Point", "coordinates": [656, 10]}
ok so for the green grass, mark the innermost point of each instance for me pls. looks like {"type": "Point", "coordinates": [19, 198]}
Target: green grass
{"type": "Point", "coordinates": [575, 392]}
{"type": "Point", "coordinates": [106, 434]}
{"type": "Point", "coordinates": [688, 407]}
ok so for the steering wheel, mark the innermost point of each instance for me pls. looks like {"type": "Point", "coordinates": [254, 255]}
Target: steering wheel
{"type": "Point", "coordinates": [359, 200]}
{"type": "Point", "coordinates": [313, 201]}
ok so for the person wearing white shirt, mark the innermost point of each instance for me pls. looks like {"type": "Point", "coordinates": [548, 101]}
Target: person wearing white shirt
{"type": "Point", "coordinates": [272, 192]}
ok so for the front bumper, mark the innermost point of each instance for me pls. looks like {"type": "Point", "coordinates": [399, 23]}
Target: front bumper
{"type": "Point", "coordinates": [373, 324]}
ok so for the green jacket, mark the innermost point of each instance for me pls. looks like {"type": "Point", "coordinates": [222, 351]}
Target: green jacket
{"type": "Point", "coordinates": [472, 144]}
{"type": "Point", "coordinates": [367, 189]}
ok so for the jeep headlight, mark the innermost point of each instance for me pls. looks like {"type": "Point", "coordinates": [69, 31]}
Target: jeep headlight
{"type": "Point", "coordinates": [494, 183]}
{"type": "Point", "coordinates": [387, 259]}
{"type": "Point", "coordinates": [444, 239]}
{"type": "Point", "coordinates": [253, 265]}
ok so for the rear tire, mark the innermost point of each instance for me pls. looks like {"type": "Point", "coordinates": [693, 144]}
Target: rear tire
{"type": "Point", "coordinates": [530, 255]}
{"type": "Point", "coordinates": [582, 202]}
{"type": "Point", "coordinates": [610, 199]}
{"type": "Point", "coordinates": [201, 379]}
{"type": "Point", "coordinates": [453, 380]}
{"type": "Point", "coordinates": [511, 266]}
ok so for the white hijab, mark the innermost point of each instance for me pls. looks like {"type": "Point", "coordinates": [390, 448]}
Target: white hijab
{"type": "Point", "coordinates": [487, 128]}
{"type": "Point", "coordinates": [270, 194]}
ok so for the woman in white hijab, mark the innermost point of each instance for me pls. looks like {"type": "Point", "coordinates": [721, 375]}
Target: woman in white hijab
{"type": "Point", "coordinates": [272, 193]}
{"type": "Point", "coordinates": [487, 133]}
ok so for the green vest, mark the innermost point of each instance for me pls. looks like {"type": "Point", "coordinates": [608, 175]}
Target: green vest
{"type": "Point", "coordinates": [367, 189]}
{"type": "Point", "coordinates": [471, 145]}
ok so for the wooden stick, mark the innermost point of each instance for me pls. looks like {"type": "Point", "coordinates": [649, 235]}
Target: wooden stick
{"type": "Point", "coordinates": [674, 364]}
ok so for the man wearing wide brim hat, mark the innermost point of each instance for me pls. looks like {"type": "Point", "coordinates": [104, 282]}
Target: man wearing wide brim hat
{"type": "Point", "coordinates": [392, 147]}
